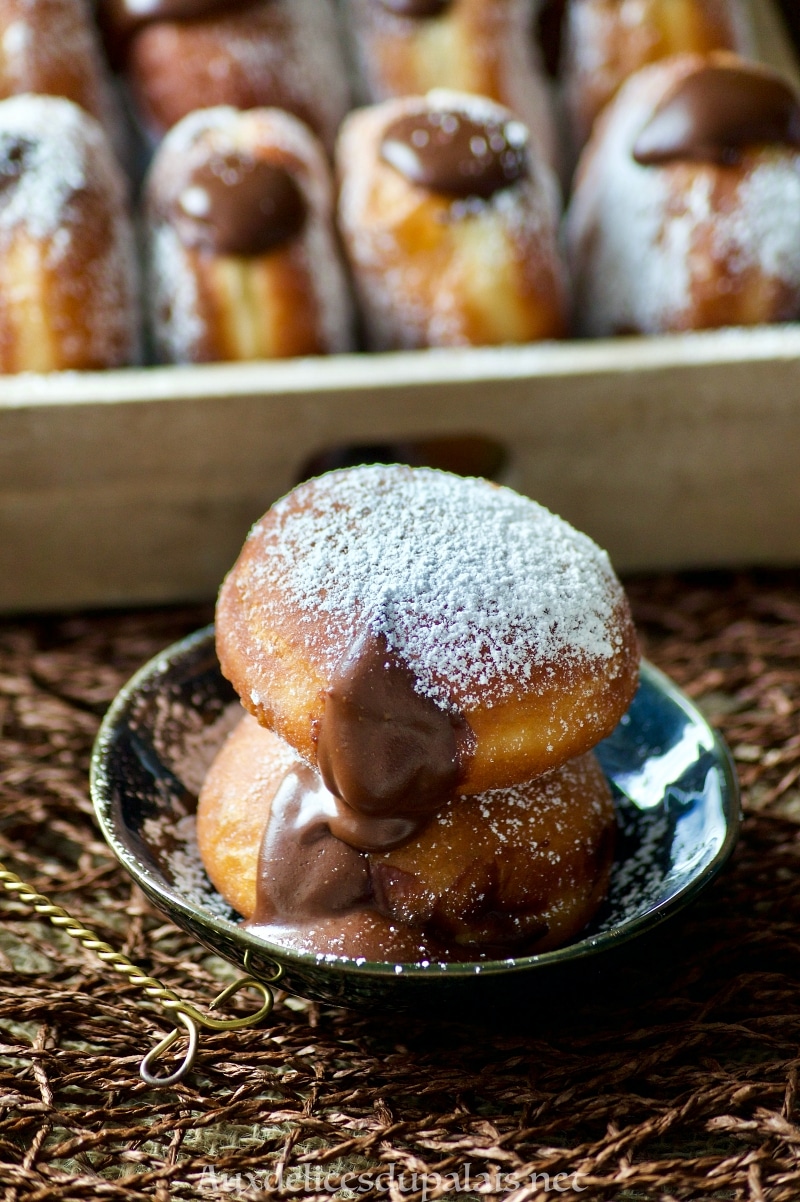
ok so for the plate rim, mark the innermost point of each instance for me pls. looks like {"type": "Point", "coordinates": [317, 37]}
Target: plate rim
{"type": "Point", "coordinates": [591, 947]}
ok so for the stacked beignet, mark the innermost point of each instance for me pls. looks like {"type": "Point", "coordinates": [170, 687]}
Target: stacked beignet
{"type": "Point", "coordinates": [429, 661]}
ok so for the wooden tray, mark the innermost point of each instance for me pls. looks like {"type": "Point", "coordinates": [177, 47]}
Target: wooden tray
{"type": "Point", "coordinates": [139, 486]}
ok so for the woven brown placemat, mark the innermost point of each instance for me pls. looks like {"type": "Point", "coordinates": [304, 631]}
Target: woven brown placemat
{"type": "Point", "coordinates": [685, 1089]}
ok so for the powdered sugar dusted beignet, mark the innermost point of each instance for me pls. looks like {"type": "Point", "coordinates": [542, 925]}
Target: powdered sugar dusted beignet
{"type": "Point", "coordinates": [68, 294]}
{"type": "Point", "coordinates": [607, 41]}
{"type": "Point", "coordinates": [408, 47]}
{"type": "Point", "coordinates": [509, 870]}
{"type": "Point", "coordinates": [182, 55]}
{"type": "Point", "coordinates": [52, 48]}
{"type": "Point", "coordinates": [449, 221]}
{"type": "Point", "coordinates": [242, 255]}
{"type": "Point", "coordinates": [496, 635]}
{"type": "Point", "coordinates": [686, 210]}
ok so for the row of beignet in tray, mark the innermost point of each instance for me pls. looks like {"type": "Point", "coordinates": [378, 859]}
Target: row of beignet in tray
{"type": "Point", "coordinates": [685, 215]}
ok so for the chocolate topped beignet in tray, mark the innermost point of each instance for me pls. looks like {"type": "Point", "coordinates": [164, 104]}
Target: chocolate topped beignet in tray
{"type": "Point", "coordinates": [686, 209]}
{"type": "Point", "coordinates": [68, 273]}
{"type": "Point", "coordinates": [449, 219]}
{"type": "Point", "coordinates": [242, 257]}
{"type": "Point", "coordinates": [605, 42]}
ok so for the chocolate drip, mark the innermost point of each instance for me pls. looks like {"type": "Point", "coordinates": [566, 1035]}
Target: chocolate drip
{"type": "Point", "coordinates": [384, 748]}
{"type": "Point", "coordinates": [415, 8]}
{"type": "Point", "coordinates": [237, 205]}
{"type": "Point", "coordinates": [312, 882]}
{"type": "Point", "coordinates": [303, 870]}
{"type": "Point", "coordinates": [714, 114]}
{"type": "Point", "coordinates": [451, 153]}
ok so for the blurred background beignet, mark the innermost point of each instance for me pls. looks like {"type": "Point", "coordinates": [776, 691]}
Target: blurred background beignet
{"type": "Point", "coordinates": [450, 224]}
{"type": "Point", "coordinates": [68, 274]}
{"type": "Point", "coordinates": [52, 48]}
{"type": "Point", "coordinates": [409, 47]}
{"type": "Point", "coordinates": [686, 208]}
{"type": "Point", "coordinates": [243, 260]}
{"type": "Point", "coordinates": [183, 55]}
{"type": "Point", "coordinates": [606, 41]}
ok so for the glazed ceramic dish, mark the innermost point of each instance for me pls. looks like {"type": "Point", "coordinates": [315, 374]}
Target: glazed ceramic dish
{"type": "Point", "coordinates": [675, 793]}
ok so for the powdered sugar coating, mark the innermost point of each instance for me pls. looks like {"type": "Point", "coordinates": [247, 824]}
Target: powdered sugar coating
{"type": "Point", "coordinates": [511, 816]}
{"type": "Point", "coordinates": [59, 141]}
{"type": "Point", "coordinates": [481, 591]}
{"type": "Point", "coordinates": [653, 249]}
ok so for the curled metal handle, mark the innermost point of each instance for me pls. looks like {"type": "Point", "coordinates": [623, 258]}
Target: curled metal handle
{"type": "Point", "coordinates": [155, 1054]}
{"type": "Point", "coordinates": [192, 1019]}
{"type": "Point", "coordinates": [188, 1015]}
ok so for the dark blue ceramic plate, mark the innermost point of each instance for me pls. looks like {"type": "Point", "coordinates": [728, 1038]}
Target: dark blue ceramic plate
{"type": "Point", "coordinates": [674, 784]}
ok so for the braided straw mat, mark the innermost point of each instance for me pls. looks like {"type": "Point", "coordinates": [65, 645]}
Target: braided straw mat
{"type": "Point", "coordinates": [685, 1091]}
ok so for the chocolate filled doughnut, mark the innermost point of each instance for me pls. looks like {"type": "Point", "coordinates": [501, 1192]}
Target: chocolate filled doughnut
{"type": "Point", "coordinates": [68, 286]}
{"type": "Point", "coordinates": [686, 209]}
{"type": "Point", "coordinates": [607, 41]}
{"type": "Point", "coordinates": [408, 47]}
{"type": "Point", "coordinates": [513, 870]}
{"type": "Point", "coordinates": [416, 635]}
{"type": "Point", "coordinates": [242, 256]}
{"type": "Point", "coordinates": [183, 55]}
{"type": "Point", "coordinates": [449, 222]}
{"type": "Point", "coordinates": [52, 48]}
{"type": "Point", "coordinates": [427, 660]}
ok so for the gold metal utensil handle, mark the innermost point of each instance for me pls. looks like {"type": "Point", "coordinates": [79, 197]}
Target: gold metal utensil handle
{"type": "Point", "coordinates": [187, 1015]}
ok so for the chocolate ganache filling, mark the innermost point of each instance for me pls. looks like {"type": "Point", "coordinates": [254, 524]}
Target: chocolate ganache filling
{"type": "Point", "coordinates": [415, 8]}
{"type": "Point", "coordinates": [383, 747]}
{"type": "Point", "coordinates": [452, 153]}
{"type": "Point", "coordinates": [237, 205]}
{"type": "Point", "coordinates": [304, 871]}
{"type": "Point", "coordinates": [716, 113]}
